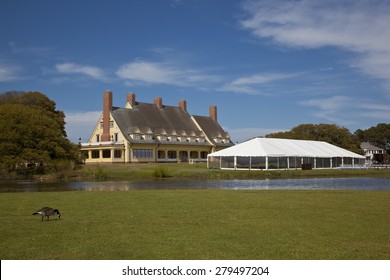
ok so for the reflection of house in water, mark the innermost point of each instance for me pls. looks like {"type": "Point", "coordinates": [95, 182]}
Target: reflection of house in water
{"type": "Point", "coordinates": [374, 154]}
{"type": "Point", "coordinates": [153, 132]}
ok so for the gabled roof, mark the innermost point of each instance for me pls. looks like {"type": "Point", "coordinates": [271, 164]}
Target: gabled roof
{"type": "Point", "coordinates": [212, 129]}
{"type": "Point", "coordinates": [169, 120]}
{"type": "Point", "coordinates": [368, 146]}
{"type": "Point", "coordinates": [285, 147]}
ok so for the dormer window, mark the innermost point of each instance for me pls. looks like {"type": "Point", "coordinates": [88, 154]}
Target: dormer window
{"type": "Point", "coordinates": [173, 138]}
{"type": "Point", "coordinates": [201, 140]}
{"type": "Point", "coordinates": [148, 137]}
{"type": "Point", "coordinates": [163, 138]}
{"type": "Point", "coordinates": [136, 136]}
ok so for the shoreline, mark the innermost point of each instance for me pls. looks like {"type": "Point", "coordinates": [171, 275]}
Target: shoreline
{"type": "Point", "coordinates": [198, 171]}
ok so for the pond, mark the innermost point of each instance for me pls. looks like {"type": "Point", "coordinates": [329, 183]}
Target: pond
{"type": "Point", "coordinates": [274, 184]}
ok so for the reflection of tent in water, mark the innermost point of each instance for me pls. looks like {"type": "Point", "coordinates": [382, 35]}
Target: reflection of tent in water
{"type": "Point", "coordinates": [272, 153]}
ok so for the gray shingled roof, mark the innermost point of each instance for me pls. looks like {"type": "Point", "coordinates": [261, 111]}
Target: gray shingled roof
{"type": "Point", "coordinates": [212, 129]}
{"type": "Point", "coordinates": [368, 146]}
{"type": "Point", "coordinates": [170, 120]}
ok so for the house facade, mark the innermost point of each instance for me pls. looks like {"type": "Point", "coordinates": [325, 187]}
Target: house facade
{"type": "Point", "coordinates": [373, 154]}
{"type": "Point", "coordinates": [153, 132]}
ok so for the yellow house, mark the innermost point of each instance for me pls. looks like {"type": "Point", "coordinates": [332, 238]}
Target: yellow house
{"type": "Point", "coordinates": [153, 132]}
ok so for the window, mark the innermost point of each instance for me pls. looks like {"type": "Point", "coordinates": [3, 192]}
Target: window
{"type": "Point", "coordinates": [203, 154]}
{"type": "Point", "coordinates": [117, 153]}
{"type": "Point", "coordinates": [136, 136]}
{"type": "Point", "coordinates": [163, 138]}
{"type": "Point", "coordinates": [95, 154]}
{"type": "Point", "coordinates": [161, 154]}
{"type": "Point", "coordinates": [148, 137]}
{"type": "Point", "coordinates": [106, 153]}
{"type": "Point", "coordinates": [97, 138]}
{"type": "Point", "coordinates": [194, 154]}
{"type": "Point", "coordinates": [172, 154]}
{"type": "Point", "coordinates": [116, 137]}
{"type": "Point", "coordinates": [142, 153]}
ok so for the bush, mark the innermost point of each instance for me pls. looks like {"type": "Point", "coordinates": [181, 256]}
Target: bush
{"type": "Point", "coordinates": [160, 173]}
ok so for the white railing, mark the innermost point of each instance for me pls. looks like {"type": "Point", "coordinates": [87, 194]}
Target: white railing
{"type": "Point", "coordinates": [102, 143]}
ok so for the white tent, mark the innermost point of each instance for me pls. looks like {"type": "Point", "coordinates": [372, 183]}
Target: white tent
{"type": "Point", "coordinates": [272, 153]}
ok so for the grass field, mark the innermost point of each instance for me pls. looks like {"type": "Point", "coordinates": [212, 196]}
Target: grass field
{"type": "Point", "coordinates": [197, 224]}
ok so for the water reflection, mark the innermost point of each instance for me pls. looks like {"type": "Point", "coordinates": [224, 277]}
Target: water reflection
{"type": "Point", "coordinates": [284, 184]}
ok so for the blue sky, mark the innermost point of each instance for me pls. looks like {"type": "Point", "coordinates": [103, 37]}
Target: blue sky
{"type": "Point", "coordinates": [267, 65]}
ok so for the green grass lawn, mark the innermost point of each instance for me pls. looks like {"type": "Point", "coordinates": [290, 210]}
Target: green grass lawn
{"type": "Point", "coordinates": [197, 224]}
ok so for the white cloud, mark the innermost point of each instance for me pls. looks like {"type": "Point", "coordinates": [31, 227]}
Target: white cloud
{"type": "Point", "coordinates": [346, 110]}
{"type": "Point", "coordinates": [72, 68]}
{"type": "Point", "coordinates": [147, 72]}
{"type": "Point", "coordinates": [250, 84]}
{"type": "Point", "coordinates": [8, 73]}
{"type": "Point", "coordinates": [81, 124]}
{"type": "Point", "coordinates": [378, 115]}
{"type": "Point", "coordinates": [330, 105]}
{"type": "Point", "coordinates": [360, 26]}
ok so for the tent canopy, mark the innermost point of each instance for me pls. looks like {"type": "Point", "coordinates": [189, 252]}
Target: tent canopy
{"type": "Point", "coordinates": [275, 147]}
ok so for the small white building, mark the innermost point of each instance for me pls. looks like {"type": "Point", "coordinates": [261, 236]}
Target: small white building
{"type": "Point", "coordinates": [372, 153]}
{"type": "Point", "coordinates": [274, 153]}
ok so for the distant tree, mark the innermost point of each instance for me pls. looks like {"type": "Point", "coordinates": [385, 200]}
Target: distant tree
{"type": "Point", "coordinates": [330, 133]}
{"type": "Point", "coordinates": [377, 135]}
{"type": "Point", "coordinates": [32, 131]}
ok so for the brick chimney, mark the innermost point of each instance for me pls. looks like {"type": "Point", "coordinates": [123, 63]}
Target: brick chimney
{"type": "Point", "coordinates": [183, 105]}
{"type": "Point", "coordinates": [107, 108]}
{"type": "Point", "coordinates": [158, 102]}
{"type": "Point", "coordinates": [213, 112]}
{"type": "Point", "coordinates": [130, 98]}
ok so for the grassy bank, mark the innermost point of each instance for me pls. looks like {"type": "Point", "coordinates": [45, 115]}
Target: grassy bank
{"type": "Point", "coordinates": [182, 171]}
{"type": "Point", "coordinates": [190, 224]}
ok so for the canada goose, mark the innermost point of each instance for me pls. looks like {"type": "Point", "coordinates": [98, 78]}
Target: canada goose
{"type": "Point", "coordinates": [47, 211]}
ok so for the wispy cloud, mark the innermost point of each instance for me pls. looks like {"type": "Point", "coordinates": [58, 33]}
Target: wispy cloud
{"type": "Point", "coordinates": [89, 71]}
{"type": "Point", "coordinates": [252, 84]}
{"type": "Point", "coordinates": [80, 124]}
{"type": "Point", "coordinates": [147, 72]}
{"type": "Point", "coordinates": [359, 26]}
{"type": "Point", "coordinates": [18, 48]}
{"type": "Point", "coordinates": [345, 110]}
{"type": "Point", "coordinates": [330, 105]}
{"type": "Point", "coordinates": [9, 73]}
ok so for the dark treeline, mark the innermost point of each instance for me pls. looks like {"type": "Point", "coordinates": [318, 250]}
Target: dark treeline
{"type": "Point", "coordinates": [340, 136]}
{"type": "Point", "coordinates": [32, 136]}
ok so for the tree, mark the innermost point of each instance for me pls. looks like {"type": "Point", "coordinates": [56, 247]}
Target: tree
{"type": "Point", "coordinates": [377, 135]}
{"type": "Point", "coordinates": [32, 131]}
{"type": "Point", "coordinates": [330, 133]}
